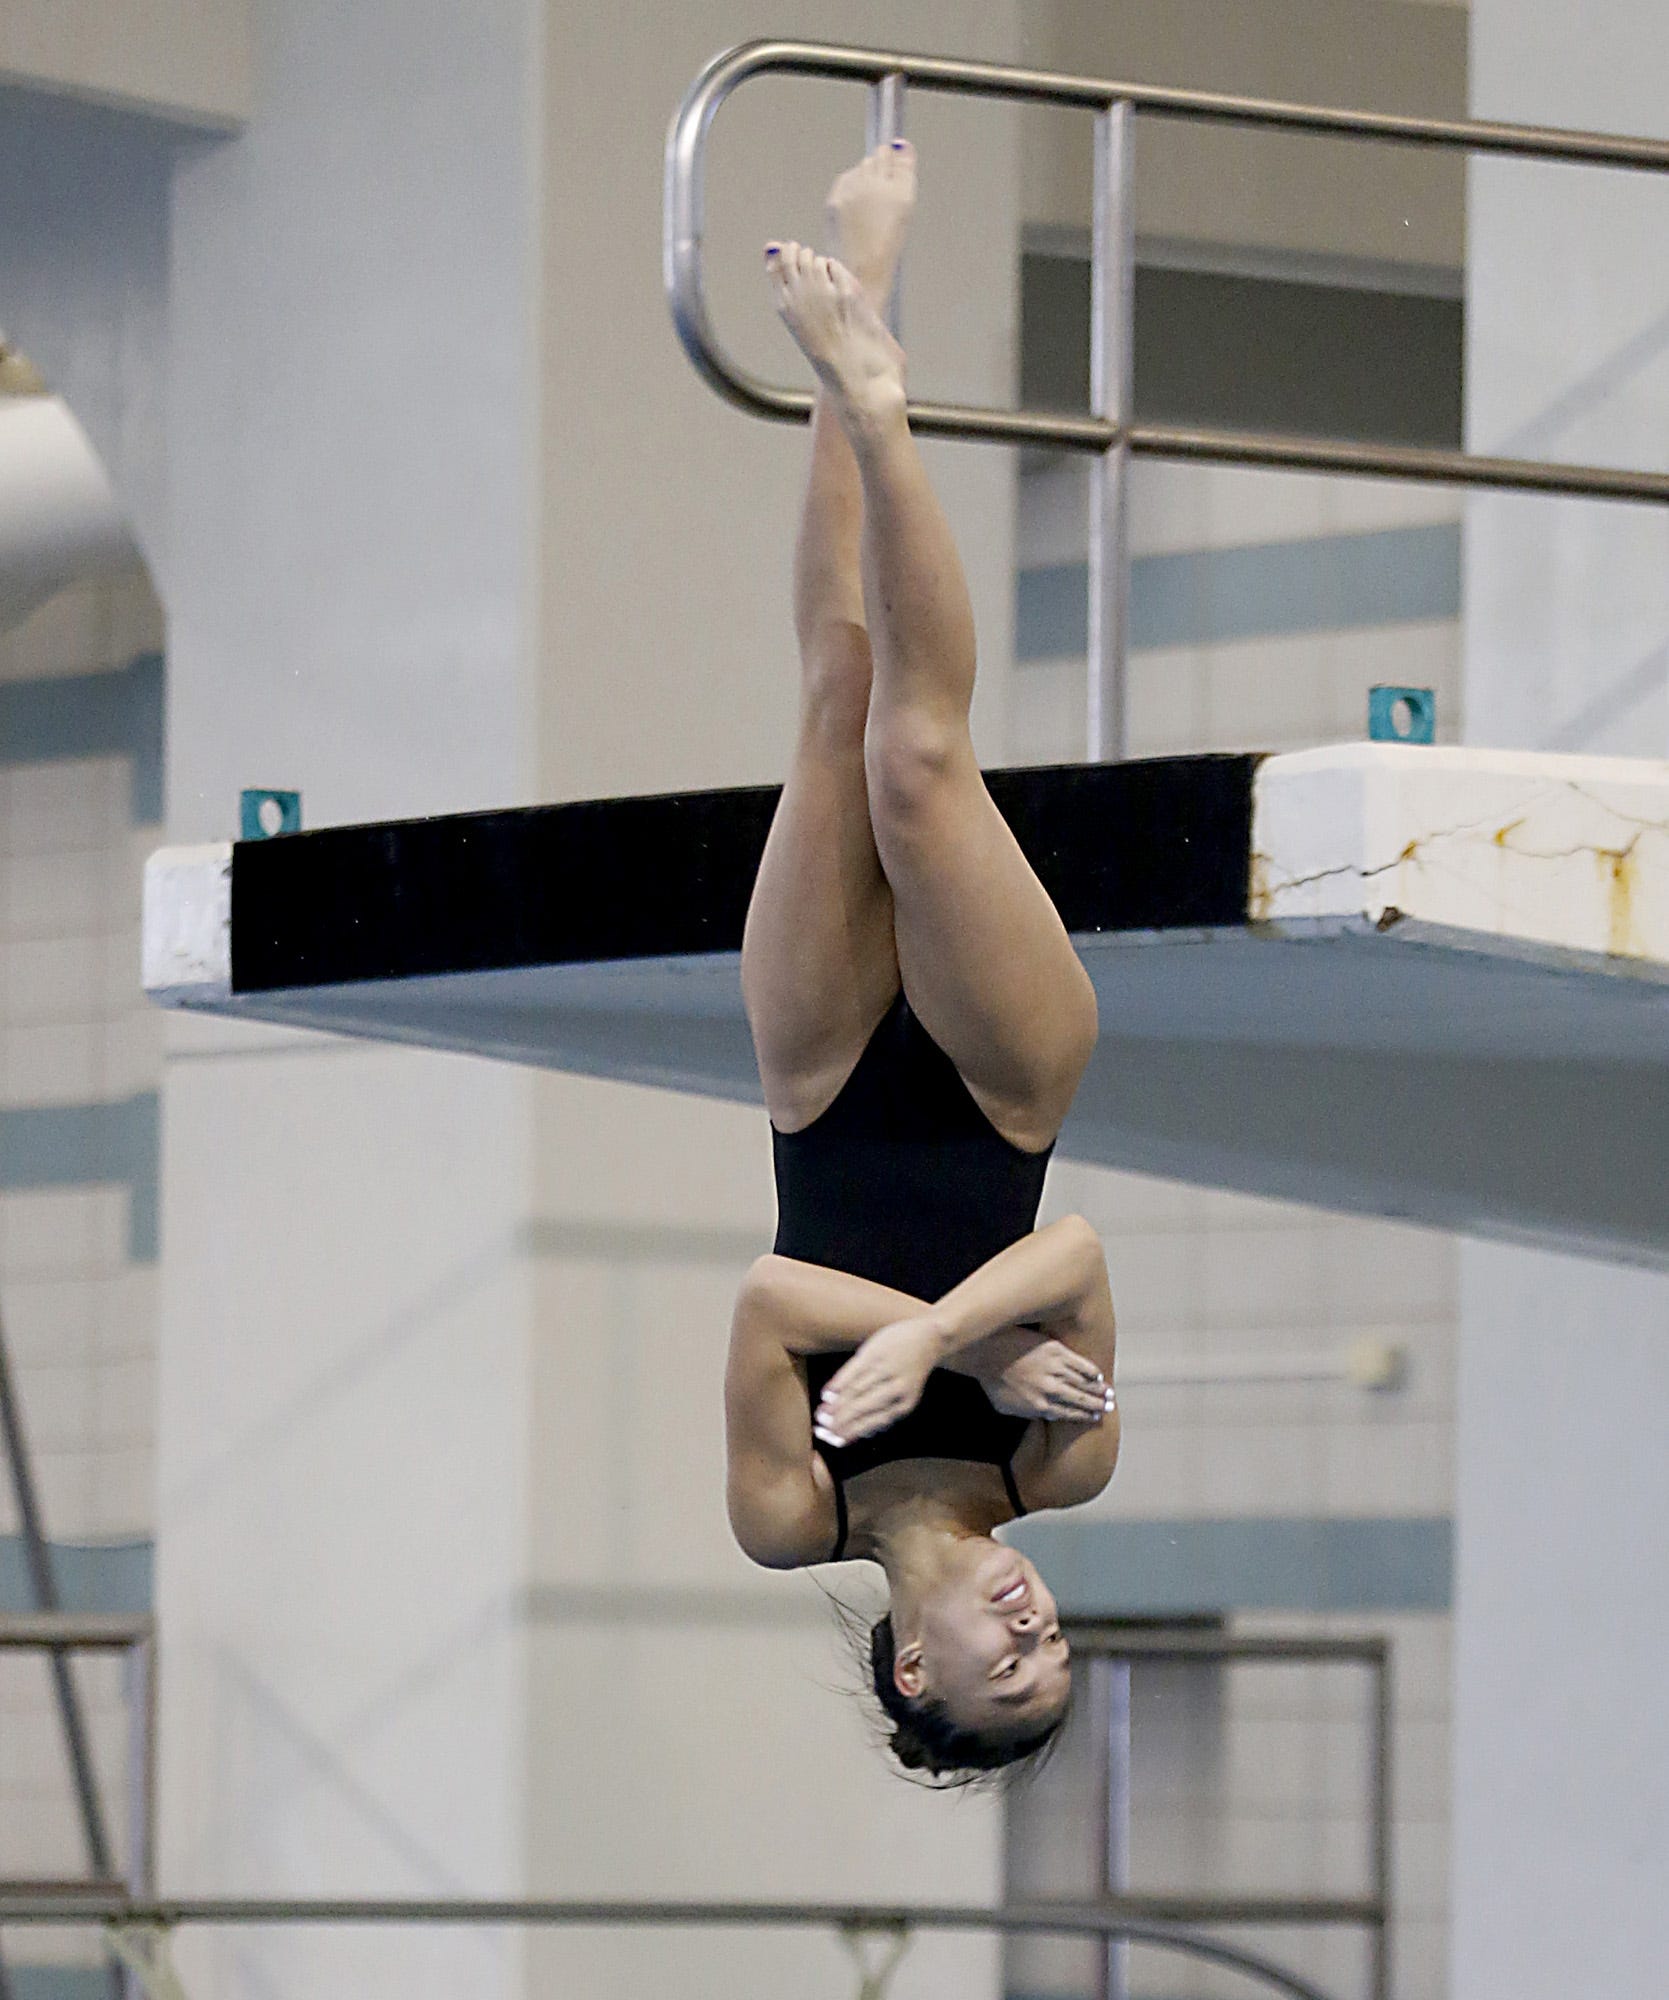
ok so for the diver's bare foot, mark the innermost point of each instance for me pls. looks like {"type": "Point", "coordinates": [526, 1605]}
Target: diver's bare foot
{"type": "Point", "coordinates": [869, 210]}
{"type": "Point", "coordinates": [840, 333]}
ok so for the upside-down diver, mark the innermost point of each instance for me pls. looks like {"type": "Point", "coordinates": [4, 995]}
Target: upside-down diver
{"type": "Point", "coordinates": [915, 1363]}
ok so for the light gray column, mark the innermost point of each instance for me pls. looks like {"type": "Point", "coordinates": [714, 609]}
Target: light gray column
{"type": "Point", "coordinates": [345, 1322]}
{"type": "Point", "coordinates": [1561, 1817]}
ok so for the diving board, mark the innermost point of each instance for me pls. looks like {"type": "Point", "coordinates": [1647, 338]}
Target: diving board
{"type": "Point", "coordinates": [1389, 979]}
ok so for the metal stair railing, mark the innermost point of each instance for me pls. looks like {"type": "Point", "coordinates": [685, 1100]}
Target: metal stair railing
{"type": "Point", "coordinates": [1107, 1648]}
{"type": "Point", "coordinates": [1110, 429]}
{"type": "Point", "coordinates": [59, 1635]}
{"type": "Point", "coordinates": [1114, 1919]}
{"type": "Point", "coordinates": [48, 1630]}
{"type": "Point", "coordinates": [1167, 1920]}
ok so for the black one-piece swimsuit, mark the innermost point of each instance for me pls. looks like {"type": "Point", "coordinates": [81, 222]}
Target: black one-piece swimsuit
{"type": "Point", "coordinates": [905, 1181]}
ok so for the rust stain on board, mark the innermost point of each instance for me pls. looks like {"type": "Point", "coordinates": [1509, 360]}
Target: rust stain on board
{"type": "Point", "coordinates": [1618, 881]}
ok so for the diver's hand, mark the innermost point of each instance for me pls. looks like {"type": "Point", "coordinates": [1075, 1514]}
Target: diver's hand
{"type": "Point", "coordinates": [1028, 1377]}
{"type": "Point", "coordinates": [882, 1382]}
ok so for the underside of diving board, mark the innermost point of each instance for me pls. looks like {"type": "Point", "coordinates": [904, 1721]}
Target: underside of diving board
{"type": "Point", "coordinates": [1430, 983]}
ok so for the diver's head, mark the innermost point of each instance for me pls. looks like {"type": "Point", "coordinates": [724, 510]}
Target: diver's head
{"type": "Point", "coordinates": [971, 1665]}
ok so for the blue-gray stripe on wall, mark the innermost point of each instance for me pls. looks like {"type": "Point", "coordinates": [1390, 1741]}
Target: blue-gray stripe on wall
{"type": "Point", "coordinates": [1214, 597]}
{"type": "Point", "coordinates": [105, 1578]}
{"type": "Point", "coordinates": [1097, 1569]}
{"type": "Point", "coordinates": [89, 1145]}
{"type": "Point", "coordinates": [1166, 1569]}
{"type": "Point", "coordinates": [58, 1982]}
{"type": "Point", "coordinates": [116, 714]}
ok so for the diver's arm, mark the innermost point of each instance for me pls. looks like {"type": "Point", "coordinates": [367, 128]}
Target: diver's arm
{"type": "Point", "coordinates": [810, 1309]}
{"type": "Point", "coordinates": [1054, 1281]}
{"type": "Point", "coordinates": [781, 1512]}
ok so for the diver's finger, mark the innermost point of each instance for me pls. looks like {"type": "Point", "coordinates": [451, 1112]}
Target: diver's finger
{"type": "Point", "coordinates": [857, 1415]}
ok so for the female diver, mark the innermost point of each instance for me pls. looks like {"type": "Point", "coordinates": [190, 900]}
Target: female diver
{"type": "Point", "coordinates": [914, 1364]}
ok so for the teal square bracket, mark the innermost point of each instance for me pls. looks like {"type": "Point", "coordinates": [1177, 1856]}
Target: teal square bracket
{"type": "Point", "coordinates": [1402, 715]}
{"type": "Point", "coordinates": [262, 815]}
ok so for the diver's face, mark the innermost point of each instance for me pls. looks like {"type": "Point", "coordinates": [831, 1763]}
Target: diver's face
{"type": "Point", "coordinates": [988, 1644]}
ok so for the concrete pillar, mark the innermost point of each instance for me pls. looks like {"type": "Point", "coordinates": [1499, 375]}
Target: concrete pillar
{"type": "Point", "coordinates": [342, 1536]}
{"type": "Point", "coordinates": [1561, 1818]}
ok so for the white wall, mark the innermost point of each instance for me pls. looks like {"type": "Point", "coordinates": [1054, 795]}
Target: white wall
{"type": "Point", "coordinates": [1562, 1622]}
{"type": "Point", "coordinates": [1562, 1618]}
{"type": "Point", "coordinates": [342, 1529]}
{"type": "Point", "coordinates": [351, 431]}
{"type": "Point", "coordinates": [84, 282]}
{"type": "Point", "coordinates": [59, 521]}
{"type": "Point", "coordinates": [185, 59]}
{"type": "Point", "coordinates": [1262, 199]}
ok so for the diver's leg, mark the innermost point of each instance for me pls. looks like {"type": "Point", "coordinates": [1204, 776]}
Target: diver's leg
{"type": "Point", "coordinates": [818, 963]}
{"type": "Point", "coordinates": [984, 957]}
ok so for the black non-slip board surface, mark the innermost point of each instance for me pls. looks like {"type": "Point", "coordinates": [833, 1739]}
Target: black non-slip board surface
{"type": "Point", "coordinates": [1157, 845]}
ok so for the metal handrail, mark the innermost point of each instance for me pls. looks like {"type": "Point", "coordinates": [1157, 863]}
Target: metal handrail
{"type": "Point", "coordinates": [685, 211]}
{"type": "Point", "coordinates": [1164, 1920]}
{"type": "Point", "coordinates": [1110, 428]}
{"type": "Point", "coordinates": [863, 1918]}
{"type": "Point", "coordinates": [58, 1634]}
{"type": "Point", "coordinates": [43, 1581]}
{"type": "Point", "coordinates": [27, 1632]}
{"type": "Point", "coordinates": [73, 1632]}
{"type": "Point", "coordinates": [1099, 1640]}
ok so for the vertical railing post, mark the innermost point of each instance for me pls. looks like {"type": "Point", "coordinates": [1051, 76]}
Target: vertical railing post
{"type": "Point", "coordinates": [139, 1680]}
{"type": "Point", "coordinates": [1099, 1712]}
{"type": "Point", "coordinates": [1379, 1979]}
{"type": "Point", "coordinates": [139, 1674]}
{"type": "Point", "coordinates": [1109, 1697]}
{"type": "Point", "coordinates": [886, 123]}
{"type": "Point", "coordinates": [1115, 1853]}
{"type": "Point", "coordinates": [1112, 377]}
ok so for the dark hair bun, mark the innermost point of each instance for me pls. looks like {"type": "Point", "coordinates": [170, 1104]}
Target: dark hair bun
{"type": "Point", "coordinates": [909, 1749]}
